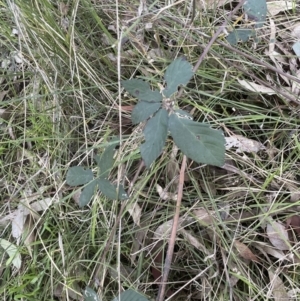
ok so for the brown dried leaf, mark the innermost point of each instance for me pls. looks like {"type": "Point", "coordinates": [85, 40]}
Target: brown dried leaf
{"type": "Point", "coordinates": [244, 251]}
{"type": "Point", "coordinates": [266, 249]}
{"type": "Point", "coordinates": [2, 94]}
{"type": "Point", "coordinates": [64, 8]}
{"type": "Point", "coordinates": [204, 217]}
{"type": "Point", "coordinates": [293, 222]}
{"type": "Point", "coordinates": [194, 241]}
{"type": "Point", "coordinates": [164, 230]}
{"type": "Point", "coordinates": [295, 193]}
{"type": "Point", "coordinates": [135, 211]}
{"type": "Point", "coordinates": [29, 233]}
{"type": "Point", "coordinates": [278, 236]}
{"type": "Point", "coordinates": [277, 286]}
{"type": "Point", "coordinates": [165, 195]}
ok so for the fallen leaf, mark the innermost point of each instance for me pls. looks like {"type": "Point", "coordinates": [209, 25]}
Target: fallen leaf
{"type": "Point", "coordinates": [278, 236]}
{"type": "Point", "coordinates": [23, 210]}
{"type": "Point", "coordinates": [2, 95]}
{"type": "Point", "coordinates": [243, 144]}
{"type": "Point", "coordinates": [64, 8]}
{"type": "Point", "coordinates": [294, 293]}
{"type": "Point", "coordinates": [165, 195]}
{"type": "Point", "coordinates": [293, 222]}
{"type": "Point", "coordinates": [135, 211]}
{"type": "Point", "coordinates": [296, 31]}
{"type": "Point", "coordinates": [277, 287]}
{"type": "Point", "coordinates": [253, 87]}
{"type": "Point", "coordinates": [163, 231]}
{"type": "Point", "coordinates": [275, 7]}
{"type": "Point", "coordinates": [204, 217]}
{"type": "Point", "coordinates": [194, 241]}
{"type": "Point", "coordinates": [29, 233]}
{"type": "Point", "coordinates": [295, 85]}
{"type": "Point", "coordinates": [244, 251]}
{"type": "Point", "coordinates": [209, 4]}
{"type": "Point", "coordinates": [12, 252]}
{"type": "Point", "coordinates": [267, 249]}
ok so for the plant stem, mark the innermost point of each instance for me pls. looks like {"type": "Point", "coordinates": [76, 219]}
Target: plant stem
{"type": "Point", "coordinates": [168, 261]}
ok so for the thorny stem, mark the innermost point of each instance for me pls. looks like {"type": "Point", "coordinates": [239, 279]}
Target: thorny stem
{"type": "Point", "coordinates": [168, 261]}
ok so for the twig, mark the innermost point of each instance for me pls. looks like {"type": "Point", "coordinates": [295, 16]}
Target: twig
{"type": "Point", "coordinates": [168, 261]}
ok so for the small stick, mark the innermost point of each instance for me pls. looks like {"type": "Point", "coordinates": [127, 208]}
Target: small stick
{"type": "Point", "coordinates": [168, 261]}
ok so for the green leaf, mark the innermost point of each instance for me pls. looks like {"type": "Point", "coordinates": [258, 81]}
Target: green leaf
{"type": "Point", "coordinates": [12, 252]}
{"type": "Point", "coordinates": [156, 131]}
{"type": "Point", "coordinates": [141, 90]}
{"type": "Point", "coordinates": [256, 11]}
{"type": "Point", "coordinates": [110, 190]}
{"type": "Point", "coordinates": [106, 161]}
{"type": "Point", "coordinates": [179, 72]}
{"type": "Point", "coordinates": [87, 193]}
{"type": "Point", "coordinates": [197, 140]}
{"type": "Point", "coordinates": [242, 35]}
{"type": "Point", "coordinates": [78, 175]}
{"type": "Point", "coordinates": [90, 295]}
{"type": "Point", "coordinates": [130, 295]}
{"type": "Point", "coordinates": [144, 110]}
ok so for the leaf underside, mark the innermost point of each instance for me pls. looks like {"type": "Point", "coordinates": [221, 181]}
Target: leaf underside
{"type": "Point", "coordinates": [179, 72]}
{"type": "Point", "coordinates": [78, 175]}
{"type": "Point", "coordinates": [141, 90]}
{"type": "Point", "coordinates": [198, 141]}
{"type": "Point", "coordinates": [155, 132]}
{"type": "Point", "coordinates": [143, 110]}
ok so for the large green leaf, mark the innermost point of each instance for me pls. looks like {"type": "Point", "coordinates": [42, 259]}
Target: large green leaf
{"type": "Point", "coordinates": [87, 193]}
{"type": "Point", "coordinates": [197, 140]}
{"type": "Point", "coordinates": [78, 175]}
{"type": "Point", "coordinates": [90, 295]}
{"type": "Point", "coordinates": [179, 72]}
{"type": "Point", "coordinates": [144, 110]}
{"type": "Point", "coordinates": [156, 131]}
{"type": "Point", "coordinates": [141, 90]}
{"type": "Point", "coordinates": [256, 11]}
{"type": "Point", "coordinates": [110, 190]}
{"type": "Point", "coordinates": [130, 295]}
{"type": "Point", "coordinates": [106, 161]}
